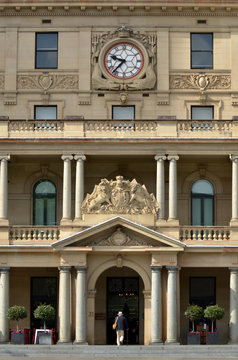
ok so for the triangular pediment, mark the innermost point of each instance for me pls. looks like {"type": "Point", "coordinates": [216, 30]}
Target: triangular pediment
{"type": "Point", "coordinates": [119, 232]}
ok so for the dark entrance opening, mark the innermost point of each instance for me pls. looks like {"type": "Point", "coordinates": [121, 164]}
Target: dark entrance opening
{"type": "Point", "coordinates": [123, 295]}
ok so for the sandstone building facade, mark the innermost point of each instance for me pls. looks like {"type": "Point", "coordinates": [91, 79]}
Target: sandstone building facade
{"type": "Point", "coordinates": [119, 165]}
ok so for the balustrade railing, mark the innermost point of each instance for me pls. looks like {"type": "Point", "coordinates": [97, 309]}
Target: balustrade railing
{"type": "Point", "coordinates": [36, 233]}
{"type": "Point", "coordinates": [204, 233]}
{"type": "Point", "coordinates": [36, 127]}
{"type": "Point", "coordinates": [119, 127]}
{"type": "Point", "coordinates": [204, 128]}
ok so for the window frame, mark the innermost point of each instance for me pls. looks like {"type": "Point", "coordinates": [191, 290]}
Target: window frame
{"type": "Point", "coordinates": [201, 197]}
{"type": "Point", "coordinates": [46, 51]}
{"type": "Point", "coordinates": [206, 106]}
{"type": "Point", "coordinates": [201, 51]}
{"type": "Point", "coordinates": [46, 196]}
{"type": "Point", "coordinates": [122, 106]}
{"type": "Point", "coordinates": [46, 106]}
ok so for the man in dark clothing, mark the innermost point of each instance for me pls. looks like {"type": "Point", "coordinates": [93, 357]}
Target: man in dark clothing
{"type": "Point", "coordinates": [122, 325]}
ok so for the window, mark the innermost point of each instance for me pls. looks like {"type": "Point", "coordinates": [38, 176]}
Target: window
{"type": "Point", "coordinates": [201, 51]}
{"type": "Point", "coordinates": [202, 113]}
{"type": "Point", "coordinates": [202, 291]}
{"type": "Point", "coordinates": [44, 203]}
{"type": "Point", "coordinates": [45, 112]}
{"type": "Point", "coordinates": [202, 196]}
{"type": "Point", "coordinates": [46, 51]}
{"type": "Point", "coordinates": [123, 112]}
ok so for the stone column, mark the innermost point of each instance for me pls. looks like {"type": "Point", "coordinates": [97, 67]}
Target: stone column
{"type": "Point", "coordinates": [67, 188]}
{"type": "Point", "coordinates": [234, 159]}
{"type": "Point", "coordinates": [233, 305]}
{"type": "Point", "coordinates": [160, 184]}
{"type": "Point", "coordinates": [64, 305]}
{"type": "Point", "coordinates": [80, 330]}
{"type": "Point", "coordinates": [4, 304]}
{"type": "Point", "coordinates": [4, 188]}
{"type": "Point", "coordinates": [172, 186]}
{"type": "Point", "coordinates": [156, 306]}
{"type": "Point", "coordinates": [79, 185]}
{"type": "Point", "coordinates": [172, 309]}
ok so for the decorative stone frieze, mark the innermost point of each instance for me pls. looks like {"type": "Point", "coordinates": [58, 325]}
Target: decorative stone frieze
{"type": "Point", "coordinates": [200, 82]}
{"type": "Point", "coordinates": [47, 81]}
{"type": "Point", "coordinates": [120, 197]}
{"type": "Point", "coordinates": [119, 238]}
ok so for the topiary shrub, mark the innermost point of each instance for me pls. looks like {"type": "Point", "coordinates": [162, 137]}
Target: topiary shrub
{"type": "Point", "coordinates": [214, 312]}
{"type": "Point", "coordinates": [16, 312]}
{"type": "Point", "coordinates": [45, 313]}
{"type": "Point", "coordinates": [194, 312]}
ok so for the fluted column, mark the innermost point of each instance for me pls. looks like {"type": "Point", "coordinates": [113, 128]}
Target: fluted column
{"type": "Point", "coordinates": [160, 193]}
{"type": "Point", "coordinates": [233, 305]}
{"type": "Point", "coordinates": [172, 310]}
{"type": "Point", "coordinates": [4, 304]}
{"type": "Point", "coordinates": [156, 306]}
{"type": "Point", "coordinates": [234, 159]}
{"type": "Point", "coordinates": [4, 188]}
{"type": "Point", "coordinates": [80, 327]}
{"type": "Point", "coordinates": [64, 305]}
{"type": "Point", "coordinates": [172, 186]}
{"type": "Point", "coordinates": [79, 185]}
{"type": "Point", "coordinates": [67, 187]}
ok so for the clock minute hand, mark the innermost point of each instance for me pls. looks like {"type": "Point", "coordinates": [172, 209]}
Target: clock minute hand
{"type": "Point", "coordinates": [114, 57]}
{"type": "Point", "coordinates": [122, 62]}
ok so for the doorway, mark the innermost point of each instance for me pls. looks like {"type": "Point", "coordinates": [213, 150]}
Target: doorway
{"type": "Point", "coordinates": [123, 295]}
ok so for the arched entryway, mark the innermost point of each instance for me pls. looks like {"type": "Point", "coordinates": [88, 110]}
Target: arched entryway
{"type": "Point", "coordinates": [119, 289]}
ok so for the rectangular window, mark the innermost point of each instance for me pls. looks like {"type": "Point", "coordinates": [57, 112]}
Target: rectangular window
{"type": "Point", "coordinates": [201, 51]}
{"type": "Point", "coordinates": [46, 51]}
{"type": "Point", "coordinates": [202, 291]}
{"type": "Point", "coordinates": [45, 112]}
{"type": "Point", "coordinates": [123, 112]}
{"type": "Point", "coordinates": [202, 112]}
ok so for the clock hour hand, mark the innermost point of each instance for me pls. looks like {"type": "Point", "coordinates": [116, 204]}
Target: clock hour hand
{"type": "Point", "coordinates": [122, 62]}
{"type": "Point", "coordinates": [114, 57]}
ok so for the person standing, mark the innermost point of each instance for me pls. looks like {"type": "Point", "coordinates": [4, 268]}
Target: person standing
{"type": "Point", "coordinates": [122, 326]}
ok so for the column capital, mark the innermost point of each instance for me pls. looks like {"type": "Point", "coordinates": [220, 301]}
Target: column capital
{"type": "Point", "coordinates": [81, 268]}
{"type": "Point", "coordinates": [92, 293]}
{"type": "Point", "coordinates": [147, 294]}
{"type": "Point", "coordinates": [173, 268]}
{"type": "Point", "coordinates": [65, 268]}
{"type": "Point", "coordinates": [79, 157]}
{"type": "Point", "coordinates": [160, 157]}
{"type": "Point", "coordinates": [67, 157]}
{"type": "Point", "coordinates": [234, 157]}
{"type": "Point", "coordinates": [233, 269]}
{"type": "Point", "coordinates": [156, 268]}
{"type": "Point", "coordinates": [173, 157]}
{"type": "Point", "coordinates": [4, 269]}
{"type": "Point", "coordinates": [4, 157]}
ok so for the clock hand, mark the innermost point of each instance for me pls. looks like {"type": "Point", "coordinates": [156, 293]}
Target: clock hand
{"type": "Point", "coordinates": [122, 62]}
{"type": "Point", "coordinates": [114, 57]}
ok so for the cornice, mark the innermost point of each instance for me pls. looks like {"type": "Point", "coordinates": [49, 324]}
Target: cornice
{"type": "Point", "coordinates": [137, 8]}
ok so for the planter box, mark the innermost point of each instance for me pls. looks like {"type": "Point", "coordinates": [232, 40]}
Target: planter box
{"type": "Point", "coordinates": [212, 338]}
{"type": "Point", "coordinates": [17, 338]}
{"type": "Point", "coordinates": [45, 338]}
{"type": "Point", "coordinates": [193, 338]}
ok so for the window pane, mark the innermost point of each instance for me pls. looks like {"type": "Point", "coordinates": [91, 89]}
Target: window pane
{"type": "Point", "coordinates": [202, 42]}
{"type": "Point", "coordinates": [46, 59]}
{"type": "Point", "coordinates": [123, 112]}
{"type": "Point", "coordinates": [39, 212]}
{"type": "Point", "coordinates": [202, 187]}
{"type": "Point", "coordinates": [50, 216]}
{"type": "Point", "coordinates": [45, 187]}
{"type": "Point", "coordinates": [208, 212]}
{"type": "Point", "coordinates": [202, 112]}
{"type": "Point", "coordinates": [196, 212]}
{"type": "Point", "coordinates": [47, 41]}
{"type": "Point", "coordinates": [45, 112]}
{"type": "Point", "coordinates": [44, 203]}
{"type": "Point", "coordinates": [202, 60]}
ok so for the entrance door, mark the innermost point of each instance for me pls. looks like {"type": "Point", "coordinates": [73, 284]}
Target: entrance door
{"type": "Point", "coordinates": [123, 295]}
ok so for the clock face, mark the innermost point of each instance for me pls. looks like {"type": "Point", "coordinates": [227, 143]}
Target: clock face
{"type": "Point", "coordinates": [123, 60]}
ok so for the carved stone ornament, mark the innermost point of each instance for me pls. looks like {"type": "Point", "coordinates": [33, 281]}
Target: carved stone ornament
{"type": "Point", "coordinates": [46, 82]}
{"type": "Point", "coordinates": [119, 238]}
{"type": "Point", "coordinates": [201, 82]}
{"type": "Point", "coordinates": [120, 197]}
{"type": "Point", "coordinates": [146, 45]}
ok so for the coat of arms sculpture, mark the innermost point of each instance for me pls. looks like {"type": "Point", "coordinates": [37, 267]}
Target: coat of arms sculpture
{"type": "Point", "coordinates": [120, 196]}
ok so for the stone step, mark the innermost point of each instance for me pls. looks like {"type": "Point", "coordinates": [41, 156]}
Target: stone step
{"type": "Point", "coordinates": [131, 351]}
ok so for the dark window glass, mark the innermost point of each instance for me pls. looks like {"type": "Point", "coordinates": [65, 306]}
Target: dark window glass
{"type": "Point", "coordinates": [45, 112]}
{"type": "Point", "coordinates": [44, 207]}
{"type": "Point", "coordinates": [123, 112]}
{"type": "Point", "coordinates": [201, 51]}
{"type": "Point", "coordinates": [202, 113]}
{"type": "Point", "coordinates": [202, 196]}
{"type": "Point", "coordinates": [202, 291]}
{"type": "Point", "coordinates": [46, 50]}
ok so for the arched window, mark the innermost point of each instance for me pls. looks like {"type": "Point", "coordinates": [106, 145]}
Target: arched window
{"type": "Point", "coordinates": [202, 195]}
{"type": "Point", "coordinates": [44, 203]}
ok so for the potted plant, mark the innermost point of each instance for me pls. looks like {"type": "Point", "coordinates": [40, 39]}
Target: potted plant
{"type": "Point", "coordinates": [193, 312]}
{"type": "Point", "coordinates": [213, 312]}
{"type": "Point", "coordinates": [17, 312]}
{"type": "Point", "coordinates": [45, 313]}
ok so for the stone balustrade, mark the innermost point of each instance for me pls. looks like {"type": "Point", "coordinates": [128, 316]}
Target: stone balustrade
{"type": "Point", "coordinates": [118, 128]}
{"type": "Point", "coordinates": [204, 233]}
{"type": "Point", "coordinates": [33, 233]}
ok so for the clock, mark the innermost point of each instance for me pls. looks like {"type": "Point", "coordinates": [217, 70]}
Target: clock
{"type": "Point", "coordinates": [123, 60]}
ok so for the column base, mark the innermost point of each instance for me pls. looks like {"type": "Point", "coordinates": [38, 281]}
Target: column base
{"type": "Point", "coordinates": [64, 342]}
{"type": "Point", "coordinates": [64, 222]}
{"type": "Point", "coordinates": [80, 342]}
{"type": "Point", "coordinates": [4, 222]}
{"type": "Point", "coordinates": [159, 342]}
{"type": "Point", "coordinates": [171, 343]}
